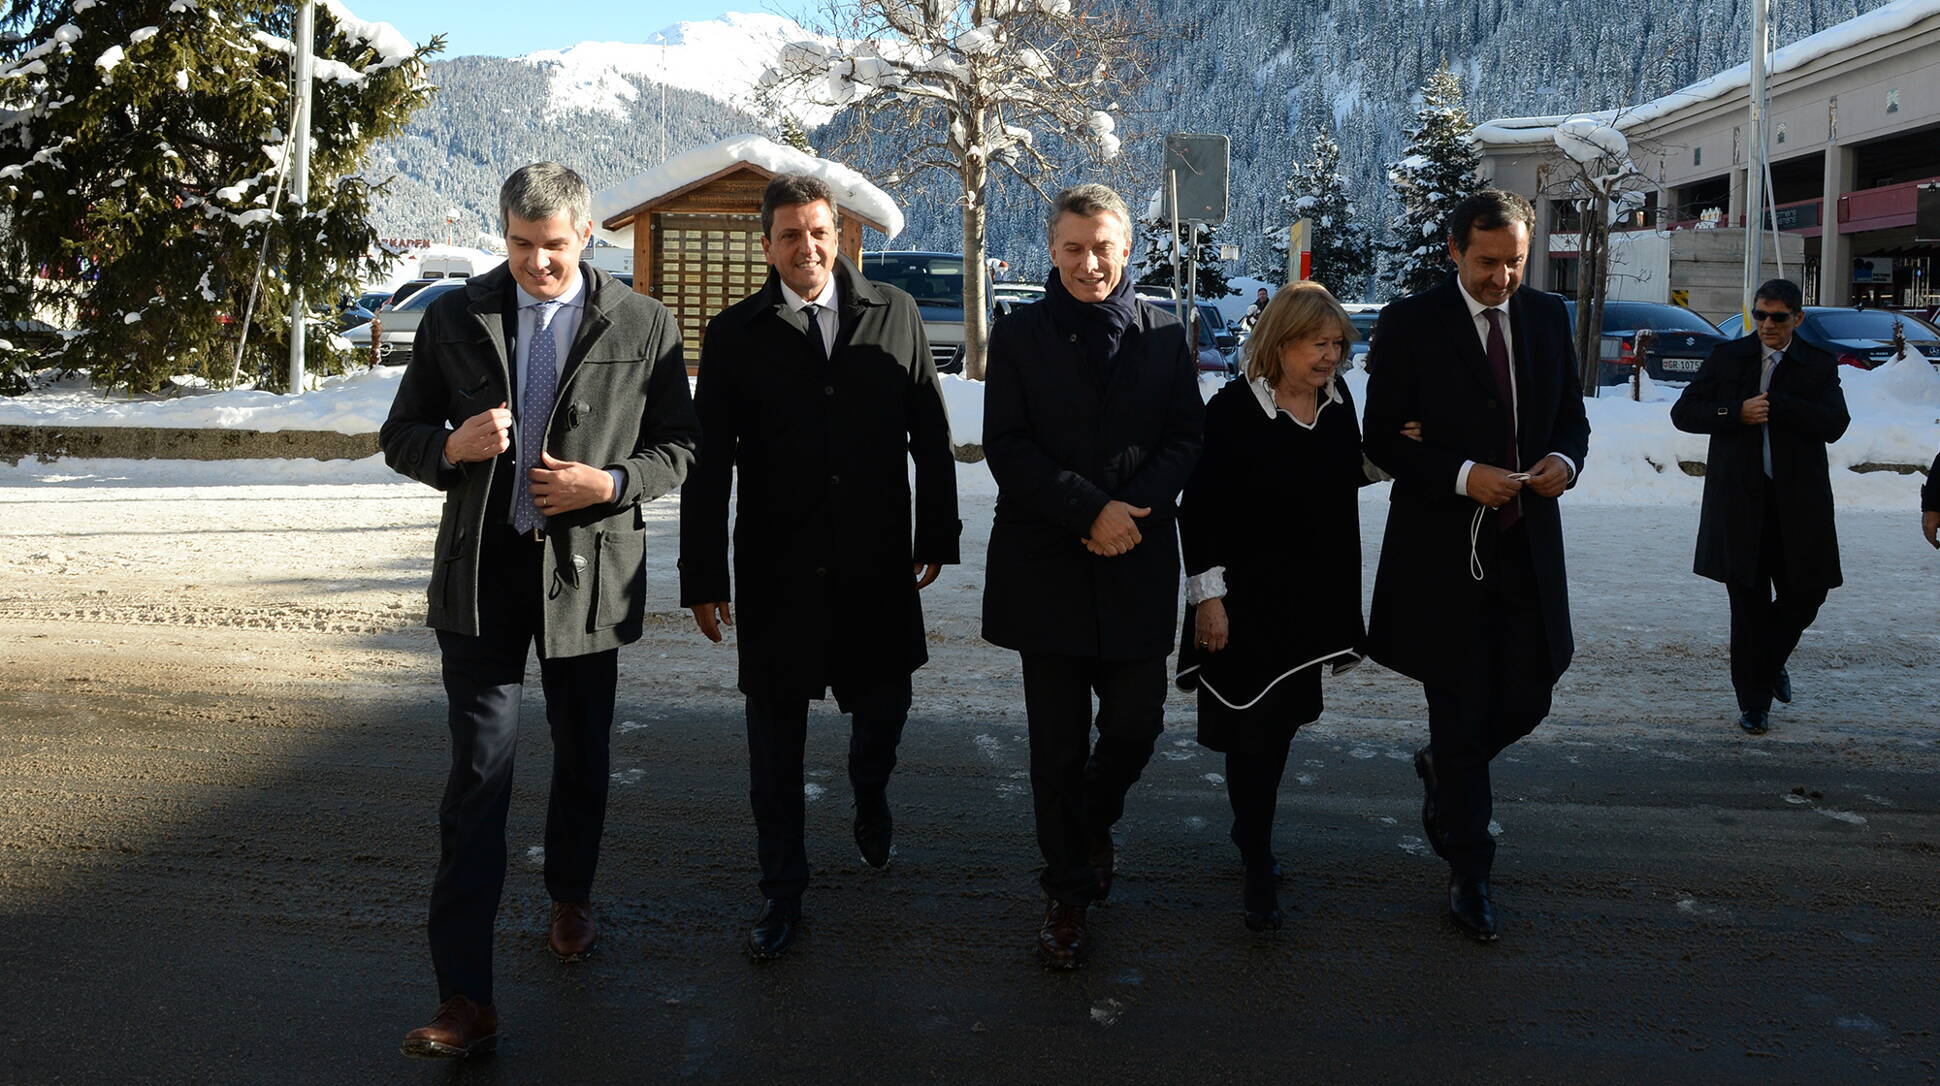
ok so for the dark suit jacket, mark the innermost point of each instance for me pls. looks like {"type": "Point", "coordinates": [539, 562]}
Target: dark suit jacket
{"type": "Point", "coordinates": [1808, 412]}
{"type": "Point", "coordinates": [1427, 606]}
{"type": "Point", "coordinates": [622, 404]}
{"type": "Point", "coordinates": [820, 453]}
{"type": "Point", "coordinates": [1061, 443]}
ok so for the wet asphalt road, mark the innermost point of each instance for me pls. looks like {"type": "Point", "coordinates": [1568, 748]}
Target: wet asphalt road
{"type": "Point", "coordinates": [229, 887]}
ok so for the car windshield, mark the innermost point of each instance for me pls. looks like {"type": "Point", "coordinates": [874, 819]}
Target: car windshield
{"type": "Point", "coordinates": [932, 279]}
{"type": "Point", "coordinates": [1864, 324]}
{"type": "Point", "coordinates": [1205, 326]}
{"type": "Point", "coordinates": [1622, 316]}
{"type": "Point", "coordinates": [423, 297]}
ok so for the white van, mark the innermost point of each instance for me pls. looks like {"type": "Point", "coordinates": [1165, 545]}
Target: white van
{"type": "Point", "coordinates": [447, 267]}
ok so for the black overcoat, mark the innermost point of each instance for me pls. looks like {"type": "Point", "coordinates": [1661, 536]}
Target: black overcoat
{"type": "Point", "coordinates": [622, 403]}
{"type": "Point", "coordinates": [1808, 412]}
{"type": "Point", "coordinates": [1277, 506]}
{"type": "Point", "coordinates": [1427, 604]}
{"type": "Point", "coordinates": [1062, 440]}
{"type": "Point", "coordinates": [818, 455]}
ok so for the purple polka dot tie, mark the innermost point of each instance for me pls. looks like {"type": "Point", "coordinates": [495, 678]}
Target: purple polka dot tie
{"type": "Point", "coordinates": [535, 410]}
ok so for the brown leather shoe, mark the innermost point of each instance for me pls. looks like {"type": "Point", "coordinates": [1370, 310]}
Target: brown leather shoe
{"type": "Point", "coordinates": [573, 933]}
{"type": "Point", "coordinates": [1061, 942]}
{"type": "Point", "coordinates": [462, 1028]}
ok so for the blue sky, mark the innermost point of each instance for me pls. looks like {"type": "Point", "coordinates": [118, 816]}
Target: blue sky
{"type": "Point", "coordinates": [506, 28]}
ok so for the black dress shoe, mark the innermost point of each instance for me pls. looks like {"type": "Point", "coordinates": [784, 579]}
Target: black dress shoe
{"type": "Point", "coordinates": [1753, 721]}
{"type": "Point", "coordinates": [1782, 686]}
{"type": "Point", "coordinates": [1104, 862]}
{"type": "Point", "coordinates": [1061, 941]}
{"type": "Point", "coordinates": [1262, 899]}
{"type": "Point", "coordinates": [1431, 825]}
{"type": "Point", "coordinates": [1469, 906]}
{"type": "Point", "coordinates": [774, 930]}
{"type": "Point", "coordinates": [874, 829]}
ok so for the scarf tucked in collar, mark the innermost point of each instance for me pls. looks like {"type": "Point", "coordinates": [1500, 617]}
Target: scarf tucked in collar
{"type": "Point", "coordinates": [1099, 326]}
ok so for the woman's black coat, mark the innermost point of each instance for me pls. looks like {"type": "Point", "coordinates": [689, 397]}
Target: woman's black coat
{"type": "Point", "coordinates": [1277, 505]}
{"type": "Point", "coordinates": [1808, 412]}
{"type": "Point", "coordinates": [820, 453]}
{"type": "Point", "coordinates": [1062, 440]}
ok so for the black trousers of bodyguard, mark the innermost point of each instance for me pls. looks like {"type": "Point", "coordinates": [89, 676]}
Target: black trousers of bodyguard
{"type": "Point", "coordinates": [1768, 616]}
{"type": "Point", "coordinates": [484, 677]}
{"type": "Point", "coordinates": [1078, 788]}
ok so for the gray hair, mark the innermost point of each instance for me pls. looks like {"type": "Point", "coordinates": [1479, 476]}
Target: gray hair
{"type": "Point", "coordinates": [1086, 200]}
{"type": "Point", "coordinates": [788, 190]}
{"type": "Point", "coordinates": [1489, 209]}
{"type": "Point", "coordinates": [541, 190]}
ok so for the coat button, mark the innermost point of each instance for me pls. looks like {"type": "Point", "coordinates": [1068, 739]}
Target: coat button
{"type": "Point", "coordinates": [821, 571]}
{"type": "Point", "coordinates": [1074, 337]}
{"type": "Point", "coordinates": [1492, 405]}
{"type": "Point", "coordinates": [835, 480]}
{"type": "Point", "coordinates": [829, 390]}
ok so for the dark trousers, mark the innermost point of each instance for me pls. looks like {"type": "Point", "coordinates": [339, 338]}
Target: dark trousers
{"type": "Point", "coordinates": [1253, 788]}
{"type": "Point", "coordinates": [777, 738]}
{"type": "Point", "coordinates": [1078, 789]}
{"type": "Point", "coordinates": [1767, 616]}
{"type": "Point", "coordinates": [484, 677]}
{"type": "Point", "coordinates": [1503, 696]}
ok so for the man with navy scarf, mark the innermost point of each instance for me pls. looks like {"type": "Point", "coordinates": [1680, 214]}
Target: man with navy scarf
{"type": "Point", "coordinates": [1092, 424]}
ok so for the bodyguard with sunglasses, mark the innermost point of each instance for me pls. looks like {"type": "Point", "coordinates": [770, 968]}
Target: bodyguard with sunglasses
{"type": "Point", "coordinates": [1771, 403]}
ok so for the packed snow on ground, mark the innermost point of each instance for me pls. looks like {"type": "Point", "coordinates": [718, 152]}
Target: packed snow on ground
{"type": "Point", "coordinates": [1634, 450]}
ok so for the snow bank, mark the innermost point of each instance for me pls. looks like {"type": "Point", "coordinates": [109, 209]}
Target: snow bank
{"type": "Point", "coordinates": [354, 404]}
{"type": "Point", "coordinates": [852, 190]}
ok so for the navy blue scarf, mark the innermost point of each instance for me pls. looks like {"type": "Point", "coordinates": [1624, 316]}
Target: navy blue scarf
{"type": "Point", "coordinates": [1099, 326]}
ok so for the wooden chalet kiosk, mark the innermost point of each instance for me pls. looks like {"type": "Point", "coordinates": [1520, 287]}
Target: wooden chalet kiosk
{"type": "Point", "coordinates": [694, 223]}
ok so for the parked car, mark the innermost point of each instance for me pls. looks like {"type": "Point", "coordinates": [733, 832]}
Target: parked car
{"type": "Point", "coordinates": [1364, 315]}
{"type": "Point", "coordinates": [1019, 293]}
{"type": "Point", "coordinates": [935, 280]}
{"type": "Point", "coordinates": [1679, 342]}
{"type": "Point", "coordinates": [398, 323]}
{"type": "Point", "coordinates": [1218, 347]}
{"type": "Point", "coordinates": [408, 288]}
{"type": "Point", "coordinates": [373, 300]}
{"type": "Point", "coordinates": [1854, 336]}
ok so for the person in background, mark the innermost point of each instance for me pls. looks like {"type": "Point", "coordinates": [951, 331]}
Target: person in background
{"type": "Point", "coordinates": [1271, 529]}
{"type": "Point", "coordinates": [1771, 403]}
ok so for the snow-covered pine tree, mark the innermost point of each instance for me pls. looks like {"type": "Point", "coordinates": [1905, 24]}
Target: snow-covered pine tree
{"type": "Point", "coordinates": [1438, 169]}
{"type": "Point", "coordinates": [966, 88]}
{"type": "Point", "coordinates": [140, 160]}
{"type": "Point", "coordinates": [1152, 256]}
{"type": "Point", "coordinates": [1343, 255]}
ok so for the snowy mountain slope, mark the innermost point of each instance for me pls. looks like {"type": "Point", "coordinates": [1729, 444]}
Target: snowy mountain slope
{"type": "Point", "coordinates": [720, 58]}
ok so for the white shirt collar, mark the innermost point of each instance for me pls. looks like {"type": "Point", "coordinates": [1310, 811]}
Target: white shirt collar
{"type": "Point", "coordinates": [1475, 308]}
{"type": "Point", "coordinates": [1263, 392]}
{"type": "Point", "coordinates": [827, 299]}
{"type": "Point", "coordinates": [575, 296]}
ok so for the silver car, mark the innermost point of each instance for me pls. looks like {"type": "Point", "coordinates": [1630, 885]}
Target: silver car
{"type": "Point", "coordinates": [399, 324]}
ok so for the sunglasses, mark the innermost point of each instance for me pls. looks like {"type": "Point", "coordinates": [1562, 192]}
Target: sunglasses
{"type": "Point", "coordinates": [1776, 316]}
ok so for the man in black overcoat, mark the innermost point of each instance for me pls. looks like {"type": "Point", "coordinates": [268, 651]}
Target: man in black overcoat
{"type": "Point", "coordinates": [548, 401]}
{"type": "Point", "coordinates": [814, 395]}
{"type": "Point", "coordinates": [1471, 597]}
{"type": "Point", "coordinates": [1771, 403]}
{"type": "Point", "coordinates": [1092, 424]}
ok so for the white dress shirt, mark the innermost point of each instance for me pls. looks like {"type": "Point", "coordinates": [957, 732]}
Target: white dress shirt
{"type": "Point", "coordinates": [1475, 311]}
{"type": "Point", "coordinates": [828, 300]}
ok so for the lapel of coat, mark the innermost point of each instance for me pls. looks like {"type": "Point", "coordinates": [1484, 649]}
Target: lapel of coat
{"type": "Point", "coordinates": [857, 296]}
{"type": "Point", "coordinates": [1531, 379]}
{"type": "Point", "coordinates": [490, 305]}
{"type": "Point", "coordinates": [782, 331]}
{"type": "Point", "coordinates": [602, 294]}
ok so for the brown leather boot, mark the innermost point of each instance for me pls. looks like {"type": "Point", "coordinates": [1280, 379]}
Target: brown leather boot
{"type": "Point", "coordinates": [573, 933]}
{"type": "Point", "coordinates": [1061, 942]}
{"type": "Point", "coordinates": [461, 1028]}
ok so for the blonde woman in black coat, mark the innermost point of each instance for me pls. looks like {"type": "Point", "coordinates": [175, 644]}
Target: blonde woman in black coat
{"type": "Point", "coordinates": [1271, 529]}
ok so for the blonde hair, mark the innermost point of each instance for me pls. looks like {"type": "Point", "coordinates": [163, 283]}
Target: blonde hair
{"type": "Point", "coordinates": [1299, 310]}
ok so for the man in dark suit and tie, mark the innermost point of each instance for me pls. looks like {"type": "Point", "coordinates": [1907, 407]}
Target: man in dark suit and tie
{"type": "Point", "coordinates": [1471, 597]}
{"type": "Point", "coordinates": [1771, 403]}
{"type": "Point", "coordinates": [547, 400]}
{"type": "Point", "coordinates": [1092, 424]}
{"type": "Point", "coordinates": [815, 396]}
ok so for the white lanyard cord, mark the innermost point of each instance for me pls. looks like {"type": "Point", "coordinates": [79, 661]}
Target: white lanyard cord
{"type": "Point", "coordinates": [1475, 534]}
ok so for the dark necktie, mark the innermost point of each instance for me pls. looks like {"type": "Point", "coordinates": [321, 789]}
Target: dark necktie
{"type": "Point", "coordinates": [1765, 386]}
{"type": "Point", "coordinates": [1505, 390]}
{"type": "Point", "coordinates": [810, 313]}
{"type": "Point", "coordinates": [535, 411]}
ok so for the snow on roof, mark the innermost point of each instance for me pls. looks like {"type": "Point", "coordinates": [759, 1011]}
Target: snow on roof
{"type": "Point", "coordinates": [852, 190]}
{"type": "Point", "coordinates": [1877, 23]}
